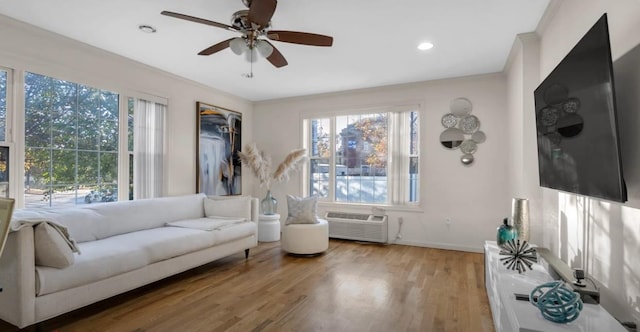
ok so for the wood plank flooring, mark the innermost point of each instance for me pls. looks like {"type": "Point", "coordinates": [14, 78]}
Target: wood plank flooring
{"type": "Point", "coordinates": [352, 287]}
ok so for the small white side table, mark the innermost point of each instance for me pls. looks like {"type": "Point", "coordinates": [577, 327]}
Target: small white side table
{"type": "Point", "coordinates": [269, 228]}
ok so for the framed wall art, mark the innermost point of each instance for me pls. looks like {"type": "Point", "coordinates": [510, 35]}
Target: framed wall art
{"type": "Point", "coordinates": [218, 167]}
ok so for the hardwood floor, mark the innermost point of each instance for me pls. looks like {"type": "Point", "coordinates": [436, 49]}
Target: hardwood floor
{"type": "Point", "coordinates": [352, 287]}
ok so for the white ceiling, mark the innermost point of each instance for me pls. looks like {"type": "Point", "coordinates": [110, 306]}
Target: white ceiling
{"type": "Point", "coordinates": [374, 40]}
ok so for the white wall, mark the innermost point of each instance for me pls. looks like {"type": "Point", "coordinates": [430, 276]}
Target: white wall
{"type": "Point", "coordinates": [600, 236]}
{"type": "Point", "coordinates": [522, 70]}
{"type": "Point", "coordinates": [475, 197]}
{"type": "Point", "coordinates": [27, 48]}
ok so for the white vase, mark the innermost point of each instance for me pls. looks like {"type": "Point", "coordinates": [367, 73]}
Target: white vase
{"type": "Point", "coordinates": [520, 217]}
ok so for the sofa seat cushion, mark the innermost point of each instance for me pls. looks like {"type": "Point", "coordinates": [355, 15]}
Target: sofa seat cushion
{"type": "Point", "coordinates": [235, 231]}
{"type": "Point", "coordinates": [118, 254]}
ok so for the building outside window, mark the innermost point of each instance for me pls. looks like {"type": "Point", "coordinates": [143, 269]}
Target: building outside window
{"type": "Point", "coordinates": [370, 158]}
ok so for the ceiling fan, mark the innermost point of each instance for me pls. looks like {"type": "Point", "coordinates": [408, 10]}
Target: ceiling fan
{"type": "Point", "coordinates": [254, 24]}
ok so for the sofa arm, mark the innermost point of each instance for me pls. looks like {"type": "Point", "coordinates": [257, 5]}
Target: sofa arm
{"type": "Point", "coordinates": [17, 279]}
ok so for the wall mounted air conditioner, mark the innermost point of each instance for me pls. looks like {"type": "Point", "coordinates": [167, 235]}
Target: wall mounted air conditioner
{"type": "Point", "coordinates": [357, 226]}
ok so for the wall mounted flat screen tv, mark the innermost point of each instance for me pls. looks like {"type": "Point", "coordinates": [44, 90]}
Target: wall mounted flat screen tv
{"type": "Point", "coordinates": [576, 122]}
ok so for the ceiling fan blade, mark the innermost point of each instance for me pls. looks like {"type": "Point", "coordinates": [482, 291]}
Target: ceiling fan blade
{"type": "Point", "coordinates": [261, 11]}
{"type": "Point", "coordinates": [297, 37]}
{"type": "Point", "coordinates": [276, 57]}
{"type": "Point", "coordinates": [216, 48]}
{"type": "Point", "coordinates": [198, 20]}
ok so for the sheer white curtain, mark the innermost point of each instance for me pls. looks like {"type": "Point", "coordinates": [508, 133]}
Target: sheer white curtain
{"type": "Point", "coordinates": [148, 149]}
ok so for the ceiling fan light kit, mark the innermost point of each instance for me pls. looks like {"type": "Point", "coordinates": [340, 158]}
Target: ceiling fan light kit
{"type": "Point", "coordinates": [265, 49]}
{"type": "Point", "coordinates": [238, 45]}
{"type": "Point", "coordinates": [254, 25]}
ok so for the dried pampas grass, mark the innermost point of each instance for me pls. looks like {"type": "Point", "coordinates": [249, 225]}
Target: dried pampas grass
{"type": "Point", "coordinates": [260, 164]}
{"type": "Point", "coordinates": [290, 163]}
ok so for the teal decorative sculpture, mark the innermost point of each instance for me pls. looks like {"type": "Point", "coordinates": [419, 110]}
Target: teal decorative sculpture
{"type": "Point", "coordinates": [505, 233]}
{"type": "Point", "coordinates": [556, 302]}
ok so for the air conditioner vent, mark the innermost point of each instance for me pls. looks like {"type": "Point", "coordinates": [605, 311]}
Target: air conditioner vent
{"type": "Point", "coordinates": [357, 226]}
{"type": "Point", "coordinates": [353, 216]}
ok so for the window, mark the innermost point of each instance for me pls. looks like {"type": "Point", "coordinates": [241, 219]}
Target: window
{"type": "Point", "coordinates": [368, 158]}
{"type": "Point", "coordinates": [5, 81]}
{"type": "Point", "coordinates": [71, 143]}
{"type": "Point", "coordinates": [146, 121]}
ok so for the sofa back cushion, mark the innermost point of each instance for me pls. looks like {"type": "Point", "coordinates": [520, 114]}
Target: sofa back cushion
{"type": "Point", "coordinates": [232, 207]}
{"type": "Point", "coordinates": [98, 221]}
{"type": "Point", "coordinates": [130, 216]}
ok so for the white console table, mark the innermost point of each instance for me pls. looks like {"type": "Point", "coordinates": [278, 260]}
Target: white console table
{"type": "Point", "coordinates": [511, 315]}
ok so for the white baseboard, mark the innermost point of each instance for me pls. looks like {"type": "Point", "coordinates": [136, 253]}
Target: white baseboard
{"type": "Point", "coordinates": [447, 246]}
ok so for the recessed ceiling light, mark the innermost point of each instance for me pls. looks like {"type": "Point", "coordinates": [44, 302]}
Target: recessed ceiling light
{"type": "Point", "coordinates": [425, 46]}
{"type": "Point", "coordinates": [146, 28]}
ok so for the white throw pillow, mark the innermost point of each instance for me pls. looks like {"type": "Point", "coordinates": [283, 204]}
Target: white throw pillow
{"type": "Point", "coordinates": [50, 247]}
{"type": "Point", "coordinates": [302, 210]}
{"type": "Point", "coordinates": [233, 207]}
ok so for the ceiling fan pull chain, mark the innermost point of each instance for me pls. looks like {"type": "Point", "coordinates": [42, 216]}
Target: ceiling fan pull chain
{"type": "Point", "coordinates": [251, 74]}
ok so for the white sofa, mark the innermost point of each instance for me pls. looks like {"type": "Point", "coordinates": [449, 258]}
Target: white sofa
{"type": "Point", "coordinates": [123, 245]}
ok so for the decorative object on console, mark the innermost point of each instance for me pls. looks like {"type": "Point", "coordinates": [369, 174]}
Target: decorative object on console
{"type": "Point", "coordinates": [519, 255]}
{"type": "Point", "coordinates": [556, 302]}
{"type": "Point", "coordinates": [260, 164]}
{"type": "Point", "coordinates": [219, 139]}
{"type": "Point", "coordinates": [462, 130]}
{"type": "Point", "coordinates": [505, 232]}
{"type": "Point", "coordinates": [520, 217]}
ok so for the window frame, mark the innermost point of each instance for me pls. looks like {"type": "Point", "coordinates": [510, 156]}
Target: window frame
{"type": "Point", "coordinates": [398, 185]}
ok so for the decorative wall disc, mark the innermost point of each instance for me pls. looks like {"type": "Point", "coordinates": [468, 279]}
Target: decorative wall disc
{"type": "Point", "coordinates": [469, 124]}
{"type": "Point", "coordinates": [572, 105]}
{"type": "Point", "coordinates": [451, 138]}
{"type": "Point", "coordinates": [549, 116]}
{"type": "Point", "coordinates": [466, 159]}
{"type": "Point", "coordinates": [460, 106]}
{"type": "Point", "coordinates": [449, 120]}
{"type": "Point", "coordinates": [479, 137]}
{"type": "Point", "coordinates": [468, 147]}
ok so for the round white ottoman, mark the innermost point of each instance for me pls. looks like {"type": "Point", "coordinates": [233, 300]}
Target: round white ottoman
{"type": "Point", "coordinates": [305, 239]}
